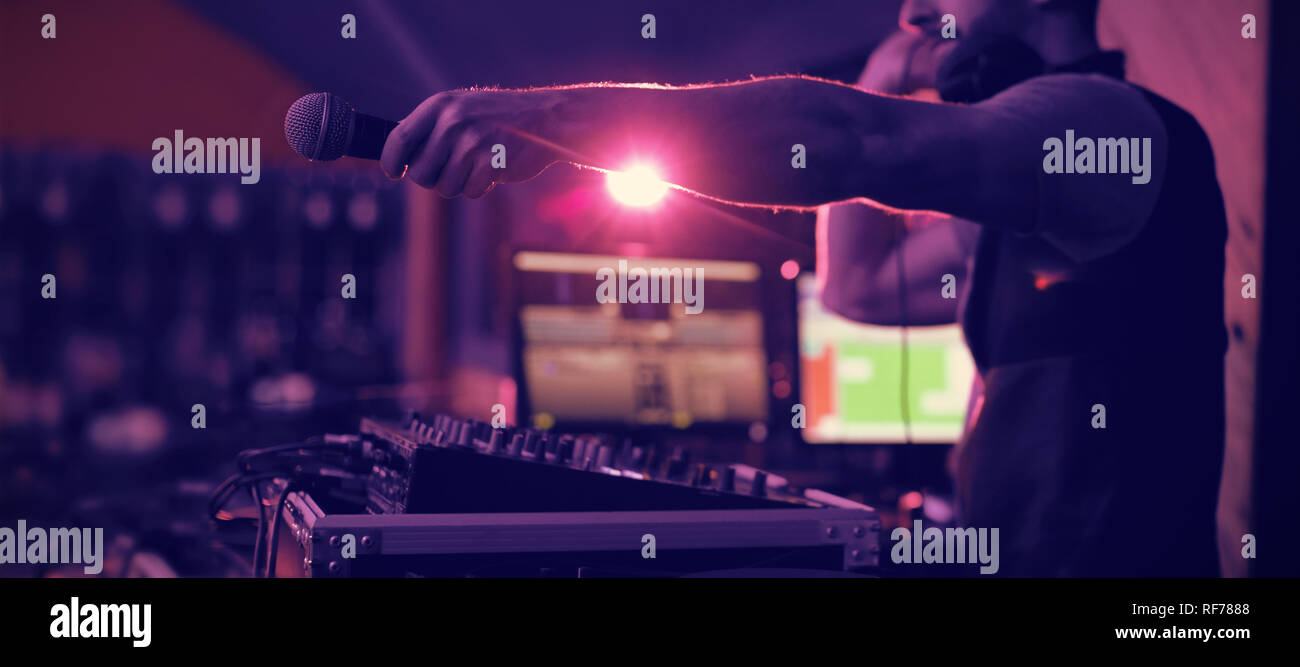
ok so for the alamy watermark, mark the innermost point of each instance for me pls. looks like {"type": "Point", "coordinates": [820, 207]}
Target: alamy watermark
{"type": "Point", "coordinates": [949, 546]}
{"type": "Point", "coordinates": [1104, 155]}
{"type": "Point", "coordinates": [180, 155]}
{"type": "Point", "coordinates": [103, 621]}
{"type": "Point", "coordinates": [654, 285]}
{"type": "Point", "coordinates": [52, 546]}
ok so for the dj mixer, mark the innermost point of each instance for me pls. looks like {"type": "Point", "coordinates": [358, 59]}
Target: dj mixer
{"type": "Point", "coordinates": [451, 497]}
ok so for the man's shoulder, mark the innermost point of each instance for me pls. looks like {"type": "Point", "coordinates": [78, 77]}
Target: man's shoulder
{"type": "Point", "coordinates": [1070, 83]}
{"type": "Point", "coordinates": [1177, 120]}
{"type": "Point", "coordinates": [1089, 98]}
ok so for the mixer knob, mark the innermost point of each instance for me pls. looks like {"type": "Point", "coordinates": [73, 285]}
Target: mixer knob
{"type": "Point", "coordinates": [637, 458]}
{"type": "Point", "coordinates": [580, 446]}
{"type": "Point", "coordinates": [497, 443]}
{"type": "Point", "coordinates": [759, 487]}
{"type": "Point", "coordinates": [729, 479]}
{"type": "Point", "coordinates": [650, 467]}
{"type": "Point", "coordinates": [623, 454]}
{"type": "Point", "coordinates": [605, 457]}
{"type": "Point", "coordinates": [564, 450]}
{"type": "Point", "coordinates": [539, 451]}
{"type": "Point", "coordinates": [678, 463]}
{"type": "Point", "coordinates": [465, 436]}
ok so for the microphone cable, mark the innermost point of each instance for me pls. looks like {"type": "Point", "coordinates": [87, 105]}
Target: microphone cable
{"type": "Point", "coordinates": [904, 382]}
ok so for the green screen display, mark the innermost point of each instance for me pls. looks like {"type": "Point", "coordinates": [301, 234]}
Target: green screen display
{"type": "Point", "coordinates": [853, 383]}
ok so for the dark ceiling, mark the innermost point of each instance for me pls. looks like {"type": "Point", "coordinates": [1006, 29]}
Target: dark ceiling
{"type": "Point", "coordinates": [405, 50]}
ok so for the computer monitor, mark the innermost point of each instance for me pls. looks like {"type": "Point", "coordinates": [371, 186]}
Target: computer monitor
{"type": "Point", "coordinates": [852, 378]}
{"type": "Point", "coordinates": [609, 365]}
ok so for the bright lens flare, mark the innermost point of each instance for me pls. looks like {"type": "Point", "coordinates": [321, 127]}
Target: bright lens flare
{"type": "Point", "coordinates": [637, 186]}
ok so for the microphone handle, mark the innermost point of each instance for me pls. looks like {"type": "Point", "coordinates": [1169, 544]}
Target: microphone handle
{"type": "Point", "coordinates": [368, 136]}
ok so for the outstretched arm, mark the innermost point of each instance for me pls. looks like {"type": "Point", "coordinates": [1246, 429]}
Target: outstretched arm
{"type": "Point", "coordinates": [731, 142]}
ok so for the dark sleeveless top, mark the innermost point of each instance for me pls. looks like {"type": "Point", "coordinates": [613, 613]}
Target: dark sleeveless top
{"type": "Point", "coordinates": [1139, 331]}
{"type": "Point", "coordinates": [1162, 294]}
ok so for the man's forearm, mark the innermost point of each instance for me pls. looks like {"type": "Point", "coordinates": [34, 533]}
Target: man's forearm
{"type": "Point", "coordinates": [735, 142]}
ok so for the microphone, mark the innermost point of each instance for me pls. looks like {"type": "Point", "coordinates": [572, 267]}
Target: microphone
{"type": "Point", "coordinates": [322, 126]}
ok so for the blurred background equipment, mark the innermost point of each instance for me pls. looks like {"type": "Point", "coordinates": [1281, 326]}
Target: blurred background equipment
{"type": "Point", "coordinates": [641, 364]}
{"type": "Point", "coordinates": [858, 387]}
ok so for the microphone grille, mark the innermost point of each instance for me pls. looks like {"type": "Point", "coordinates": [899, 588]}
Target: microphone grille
{"type": "Point", "coordinates": [317, 126]}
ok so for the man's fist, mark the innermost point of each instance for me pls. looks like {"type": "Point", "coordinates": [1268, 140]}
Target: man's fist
{"type": "Point", "coordinates": [463, 142]}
